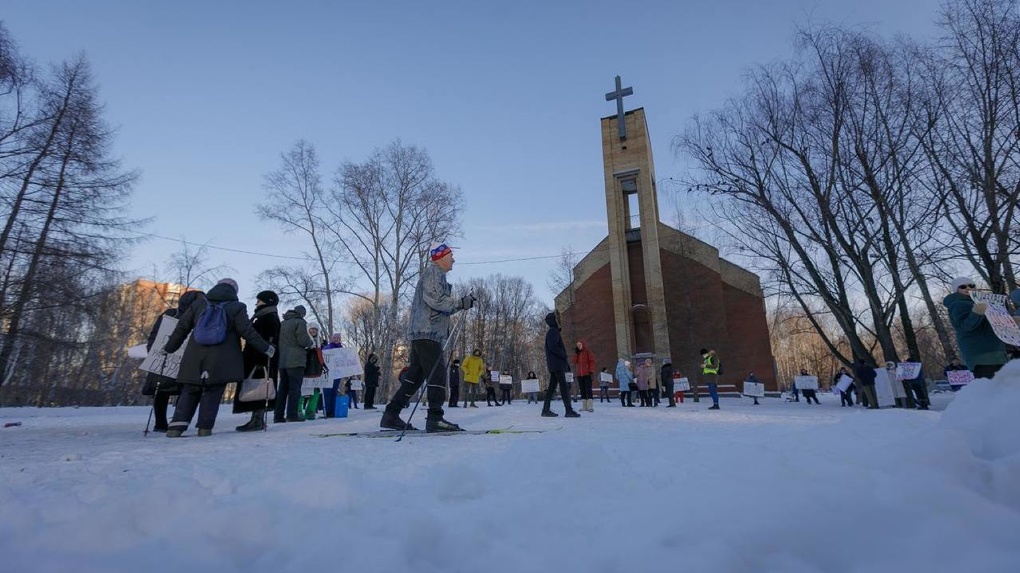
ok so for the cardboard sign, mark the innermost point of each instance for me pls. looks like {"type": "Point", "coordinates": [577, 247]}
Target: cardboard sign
{"type": "Point", "coordinates": [806, 382]}
{"type": "Point", "coordinates": [570, 377]}
{"type": "Point", "coordinates": [605, 378]}
{"type": "Point", "coordinates": [494, 376]}
{"type": "Point", "coordinates": [754, 389]}
{"type": "Point", "coordinates": [505, 380]}
{"type": "Point", "coordinates": [342, 362]}
{"type": "Point", "coordinates": [907, 370]}
{"type": "Point", "coordinates": [884, 388]}
{"type": "Point", "coordinates": [998, 316]}
{"type": "Point", "coordinates": [154, 362]}
{"type": "Point", "coordinates": [959, 377]}
{"type": "Point", "coordinates": [681, 385]}
{"type": "Point", "coordinates": [356, 384]}
{"type": "Point", "coordinates": [844, 383]}
{"type": "Point", "coordinates": [529, 385]}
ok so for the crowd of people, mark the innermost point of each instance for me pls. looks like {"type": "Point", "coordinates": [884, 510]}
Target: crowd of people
{"type": "Point", "coordinates": [289, 352]}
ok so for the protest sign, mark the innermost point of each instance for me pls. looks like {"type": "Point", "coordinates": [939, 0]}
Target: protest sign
{"type": "Point", "coordinates": [154, 361]}
{"type": "Point", "coordinates": [959, 377]}
{"type": "Point", "coordinates": [494, 377]}
{"type": "Point", "coordinates": [998, 316]}
{"type": "Point", "coordinates": [754, 389]}
{"type": "Point", "coordinates": [342, 362]}
{"type": "Point", "coordinates": [529, 385]}
{"type": "Point", "coordinates": [806, 382]}
{"type": "Point", "coordinates": [605, 378]}
{"type": "Point", "coordinates": [907, 370]}
{"type": "Point", "coordinates": [884, 388]}
{"type": "Point", "coordinates": [844, 383]}
{"type": "Point", "coordinates": [681, 384]}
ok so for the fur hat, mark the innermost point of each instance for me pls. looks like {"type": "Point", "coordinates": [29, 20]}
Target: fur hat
{"type": "Point", "coordinates": [269, 297]}
{"type": "Point", "coordinates": [960, 281]}
{"type": "Point", "coordinates": [230, 282]}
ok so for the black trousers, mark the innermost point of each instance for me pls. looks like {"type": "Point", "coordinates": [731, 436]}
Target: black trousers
{"type": "Point", "coordinates": [558, 379]}
{"type": "Point", "coordinates": [288, 395]}
{"type": "Point", "coordinates": [454, 394]}
{"type": "Point", "coordinates": [504, 391]}
{"type": "Point", "coordinates": [986, 370]}
{"type": "Point", "coordinates": [490, 395]}
{"type": "Point", "coordinates": [425, 366]}
{"type": "Point", "coordinates": [603, 394]}
{"type": "Point", "coordinates": [584, 386]}
{"type": "Point", "coordinates": [670, 394]}
{"type": "Point", "coordinates": [160, 405]}
{"type": "Point", "coordinates": [203, 397]}
{"type": "Point", "coordinates": [370, 396]}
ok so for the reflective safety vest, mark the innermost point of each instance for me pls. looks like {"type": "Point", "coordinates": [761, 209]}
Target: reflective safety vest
{"type": "Point", "coordinates": [710, 365]}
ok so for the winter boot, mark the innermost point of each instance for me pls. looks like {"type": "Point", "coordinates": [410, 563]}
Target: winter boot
{"type": "Point", "coordinates": [391, 421]}
{"type": "Point", "coordinates": [252, 425]}
{"type": "Point", "coordinates": [547, 413]}
{"type": "Point", "coordinates": [441, 425]}
{"type": "Point", "coordinates": [714, 407]}
{"type": "Point", "coordinates": [571, 414]}
{"type": "Point", "coordinates": [174, 432]}
{"type": "Point", "coordinates": [204, 433]}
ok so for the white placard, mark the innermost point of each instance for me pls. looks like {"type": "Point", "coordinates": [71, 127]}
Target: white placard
{"type": "Point", "coordinates": [681, 384]}
{"type": "Point", "coordinates": [907, 370]}
{"type": "Point", "coordinates": [342, 362]}
{"type": "Point", "coordinates": [506, 380]}
{"type": "Point", "coordinates": [529, 385]}
{"type": "Point", "coordinates": [754, 389]}
{"type": "Point", "coordinates": [494, 376]}
{"type": "Point", "coordinates": [605, 378]}
{"type": "Point", "coordinates": [844, 383]}
{"type": "Point", "coordinates": [898, 391]}
{"type": "Point", "coordinates": [308, 385]}
{"type": "Point", "coordinates": [154, 362]}
{"type": "Point", "coordinates": [138, 352]}
{"type": "Point", "coordinates": [570, 377]}
{"type": "Point", "coordinates": [998, 316]}
{"type": "Point", "coordinates": [356, 384]}
{"type": "Point", "coordinates": [959, 377]}
{"type": "Point", "coordinates": [806, 382]}
{"type": "Point", "coordinates": [884, 388]}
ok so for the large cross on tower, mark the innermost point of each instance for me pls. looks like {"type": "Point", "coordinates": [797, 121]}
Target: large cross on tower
{"type": "Point", "coordinates": [618, 95]}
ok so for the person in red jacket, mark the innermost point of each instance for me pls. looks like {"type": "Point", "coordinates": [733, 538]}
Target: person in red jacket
{"type": "Point", "coordinates": [584, 368]}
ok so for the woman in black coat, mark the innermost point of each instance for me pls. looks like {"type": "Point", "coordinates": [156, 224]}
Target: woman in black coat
{"type": "Point", "coordinates": [207, 369]}
{"type": "Point", "coordinates": [266, 321]}
{"type": "Point", "coordinates": [372, 372]}
{"type": "Point", "coordinates": [161, 388]}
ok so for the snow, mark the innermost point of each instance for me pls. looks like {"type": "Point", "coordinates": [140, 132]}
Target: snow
{"type": "Point", "coordinates": [778, 487]}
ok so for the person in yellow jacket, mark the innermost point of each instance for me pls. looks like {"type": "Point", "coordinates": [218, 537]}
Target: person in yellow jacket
{"type": "Point", "coordinates": [472, 367]}
{"type": "Point", "coordinates": [710, 369]}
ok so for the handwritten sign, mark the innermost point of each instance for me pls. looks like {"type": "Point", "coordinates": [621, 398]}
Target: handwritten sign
{"type": "Point", "coordinates": [342, 362]}
{"type": "Point", "coordinates": [494, 376]}
{"type": "Point", "coordinates": [506, 380]}
{"type": "Point", "coordinates": [806, 382]}
{"type": "Point", "coordinates": [754, 389]}
{"type": "Point", "coordinates": [605, 378]}
{"type": "Point", "coordinates": [356, 384]}
{"type": "Point", "coordinates": [681, 384]}
{"type": "Point", "coordinates": [154, 362]}
{"type": "Point", "coordinates": [960, 377]}
{"type": "Point", "coordinates": [570, 377]}
{"type": "Point", "coordinates": [844, 383]}
{"type": "Point", "coordinates": [529, 385]}
{"type": "Point", "coordinates": [907, 370]}
{"type": "Point", "coordinates": [884, 388]}
{"type": "Point", "coordinates": [998, 316]}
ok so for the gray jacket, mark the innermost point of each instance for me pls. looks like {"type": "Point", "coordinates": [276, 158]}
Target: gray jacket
{"type": "Point", "coordinates": [432, 306]}
{"type": "Point", "coordinates": [294, 339]}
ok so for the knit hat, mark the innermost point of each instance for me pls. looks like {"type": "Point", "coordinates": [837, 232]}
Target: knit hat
{"type": "Point", "coordinates": [439, 250]}
{"type": "Point", "coordinates": [269, 297]}
{"type": "Point", "coordinates": [960, 281]}
{"type": "Point", "coordinates": [231, 282]}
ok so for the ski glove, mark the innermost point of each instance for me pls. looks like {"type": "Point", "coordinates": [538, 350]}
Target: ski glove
{"type": "Point", "coordinates": [980, 308]}
{"type": "Point", "coordinates": [467, 301]}
{"type": "Point", "coordinates": [270, 351]}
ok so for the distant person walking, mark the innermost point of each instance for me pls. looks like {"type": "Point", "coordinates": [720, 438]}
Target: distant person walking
{"type": "Point", "coordinates": [556, 362]}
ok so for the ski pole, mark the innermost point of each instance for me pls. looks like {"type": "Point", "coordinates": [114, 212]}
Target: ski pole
{"type": "Point", "coordinates": [152, 407]}
{"type": "Point", "coordinates": [453, 334]}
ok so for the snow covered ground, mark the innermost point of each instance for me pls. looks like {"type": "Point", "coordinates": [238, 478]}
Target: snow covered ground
{"type": "Point", "coordinates": [778, 487]}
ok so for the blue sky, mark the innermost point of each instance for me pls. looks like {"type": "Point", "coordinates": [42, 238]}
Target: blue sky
{"type": "Point", "coordinates": [505, 96]}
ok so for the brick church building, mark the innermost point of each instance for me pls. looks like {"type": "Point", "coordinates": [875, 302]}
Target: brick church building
{"type": "Point", "coordinates": [648, 289]}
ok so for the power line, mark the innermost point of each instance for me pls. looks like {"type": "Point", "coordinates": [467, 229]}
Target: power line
{"type": "Point", "coordinates": [256, 253]}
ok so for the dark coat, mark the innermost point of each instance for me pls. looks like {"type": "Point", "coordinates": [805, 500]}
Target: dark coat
{"type": "Point", "coordinates": [266, 322]}
{"type": "Point", "coordinates": [372, 371]}
{"type": "Point", "coordinates": [294, 339]}
{"type": "Point", "coordinates": [221, 363]}
{"type": "Point", "coordinates": [974, 333]}
{"type": "Point", "coordinates": [865, 374]}
{"type": "Point", "coordinates": [167, 385]}
{"type": "Point", "coordinates": [555, 353]}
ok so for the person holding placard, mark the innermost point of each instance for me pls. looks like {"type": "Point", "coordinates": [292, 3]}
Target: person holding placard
{"type": "Point", "coordinates": [506, 386]}
{"type": "Point", "coordinates": [753, 380]}
{"type": "Point", "coordinates": [604, 379]}
{"type": "Point", "coordinates": [330, 393]}
{"type": "Point", "coordinates": [473, 368]}
{"type": "Point", "coordinates": [982, 350]}
{"type": "Point", "coordinates": [162, 388]}
{"type": "Point", "coordinates": [627, 385]}
{"type": "Point", "coordinates": [918, 387]}
{"type": "Point", "coordinates": [845, 399]}
{"type": "Point", "coordinates": [532, 396]}
{"type": "Point", "coordinates": [666, 374]}
{"type": "Point", "coordinates": [809, 393]}
{"type": "Point", "coordinates": [490, 390]}
{"type": "Point", "coordinates": [710, 366]}
{"type": "Point", "coordinates": [206, 369]}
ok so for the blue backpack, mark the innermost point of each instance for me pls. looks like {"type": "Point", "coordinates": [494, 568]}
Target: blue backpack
{"type": "Point", "coordinates": [211, 328]}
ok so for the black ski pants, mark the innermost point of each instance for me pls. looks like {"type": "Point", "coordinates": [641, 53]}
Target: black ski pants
{"type": "Point", "coordinates": [558, 379]}
{"type": "Point", "coordinates": [425, 366]}
{"type": "Point", "coordinates": [288, 395]}
{"type": "Point", "coordinates": [203, 397]}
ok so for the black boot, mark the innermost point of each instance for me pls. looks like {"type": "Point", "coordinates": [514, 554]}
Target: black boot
{"type": "Point", "coordinates": [571, 414]}
{"type": "Point", "coordinates": [253, 425]}
{"type": "Point", "coordinates": [547, 413]}
{"type": "Point", "coordinates": [391, 421]}
{"type": "Point", "coordinates": [441, 425]}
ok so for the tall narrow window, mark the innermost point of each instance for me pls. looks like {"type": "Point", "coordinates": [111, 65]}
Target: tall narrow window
{"type": "Point", "coordinates": [629, 188]}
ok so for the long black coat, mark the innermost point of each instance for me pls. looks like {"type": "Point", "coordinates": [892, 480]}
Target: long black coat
{"type": "Point", "coordinates": [372, 372]}
{"type": "Point", "coordinates": [555, 352]}
{"type": "Point", "coordinates": [221, 363]}
{"type": "Point", "coordinates": [266, 322]}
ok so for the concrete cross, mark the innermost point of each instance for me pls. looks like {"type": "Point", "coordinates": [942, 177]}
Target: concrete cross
{"type": "Point", "coordinates": [618, 95]}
